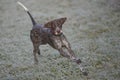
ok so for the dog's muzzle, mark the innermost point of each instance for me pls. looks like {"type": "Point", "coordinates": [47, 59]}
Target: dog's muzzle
{"type": "Point", "coordinates": [58, 33]}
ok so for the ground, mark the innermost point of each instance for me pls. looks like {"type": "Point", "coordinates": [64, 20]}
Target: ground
{"type": "Point", "coordinates": [92, 28]}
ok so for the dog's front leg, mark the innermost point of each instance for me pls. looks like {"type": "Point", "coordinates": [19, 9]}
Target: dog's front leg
{"type": "Point", "coordinates": [61, 51]}
{"type": "Point", "coordinates": [72, 55]}
{"type": "Point", "coordinates": [77, 60]}
{"type": "Point", "coordinates": [66, 44]}
{"type": "Point", "coordinates": [57, 44]}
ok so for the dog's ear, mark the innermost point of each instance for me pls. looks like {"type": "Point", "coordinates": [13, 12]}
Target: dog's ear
{"type": "Point", "coordinates": [55, 23]}
{"type": "Point", "coordinates": [60, 22]}
{"type": "Point", "coordinates": [49, 24]}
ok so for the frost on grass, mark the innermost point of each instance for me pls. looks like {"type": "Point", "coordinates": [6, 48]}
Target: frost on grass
{"type": "Point", "coordinates": [92, 28]}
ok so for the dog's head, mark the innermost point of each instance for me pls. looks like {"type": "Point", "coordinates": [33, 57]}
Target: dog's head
{"type": "Point", "coordinates": [56, 26]}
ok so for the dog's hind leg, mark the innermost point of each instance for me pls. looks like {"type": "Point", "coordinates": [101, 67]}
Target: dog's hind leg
{"type": "Point", "coordinates": [39, 52]}
{"type": "Point", "coordinates": [35, 51]}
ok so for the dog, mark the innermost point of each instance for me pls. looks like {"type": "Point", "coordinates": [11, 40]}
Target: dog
{"type": "Point", "coordinates": [51, 33]}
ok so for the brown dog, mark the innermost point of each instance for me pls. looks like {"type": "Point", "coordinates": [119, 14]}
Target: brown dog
{"type": "Point", "coordinates": [50, 33]}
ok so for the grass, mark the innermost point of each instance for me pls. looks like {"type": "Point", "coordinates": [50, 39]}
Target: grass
{"type": "Point", "coordinates": [92, 29]}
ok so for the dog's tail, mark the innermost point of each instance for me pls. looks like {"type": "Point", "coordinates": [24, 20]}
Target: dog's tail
{"type": "Point", "coordinates": [32, 19]}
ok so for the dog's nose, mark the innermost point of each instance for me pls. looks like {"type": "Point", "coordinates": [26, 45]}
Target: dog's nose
{"type": "Point", "coordinates": [58, 31]}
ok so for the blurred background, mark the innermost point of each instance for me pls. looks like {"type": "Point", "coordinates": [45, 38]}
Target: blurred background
{"type": "Point", "coordinates": [92, 28]}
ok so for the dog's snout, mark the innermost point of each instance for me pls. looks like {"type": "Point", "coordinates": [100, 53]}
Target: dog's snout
{"type": "Point", "coordinates": [58, 31]}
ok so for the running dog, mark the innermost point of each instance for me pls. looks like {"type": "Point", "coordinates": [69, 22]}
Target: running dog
{"type": "Point", "coordinates": [51, 33]}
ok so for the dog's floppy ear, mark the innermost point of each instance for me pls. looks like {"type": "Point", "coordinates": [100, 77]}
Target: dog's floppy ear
{"type": "Point", "coordinates": [57, 22]}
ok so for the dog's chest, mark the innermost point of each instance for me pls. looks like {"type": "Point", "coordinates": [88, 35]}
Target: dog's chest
{"type": "Point", "coordinates": [56, 41]}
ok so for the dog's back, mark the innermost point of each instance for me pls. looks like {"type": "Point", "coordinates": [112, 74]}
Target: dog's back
{"type": "Point", "coordinates": [40, 34]}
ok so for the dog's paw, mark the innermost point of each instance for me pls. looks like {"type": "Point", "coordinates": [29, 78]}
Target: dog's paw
{"type": "Point", "coordinates": [36, 62]}
{"type": "Point", "coordinates": [78, 61]}
{"type": "Point", "coordinates": [85, 73]}
{"type": "Point", "coordinates": [83, 70]}
{"type": "Point", "coordinates": [41, 55]}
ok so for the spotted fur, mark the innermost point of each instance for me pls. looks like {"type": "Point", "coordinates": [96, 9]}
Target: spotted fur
{"type": "Point", "coordinates": [50, 33]}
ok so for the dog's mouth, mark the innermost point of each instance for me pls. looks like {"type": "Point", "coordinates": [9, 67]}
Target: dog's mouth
{"type": "Point", "coordinates": [58, 33]}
